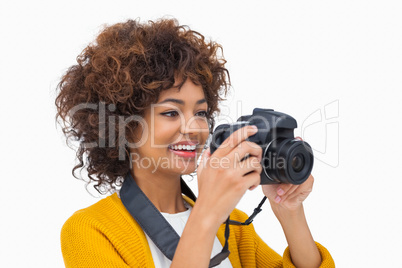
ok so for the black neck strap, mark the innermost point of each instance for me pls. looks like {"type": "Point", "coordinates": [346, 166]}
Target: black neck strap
{"type": "Point", "coordinates": [155, 225]}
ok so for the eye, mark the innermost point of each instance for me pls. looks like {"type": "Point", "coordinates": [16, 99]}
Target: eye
{"type": "Point", "coordinates": [175, 113]}
{"type": "Point", "coordinates": [202, 113]}
{"type": "Point", "coordinates": [170, 114]}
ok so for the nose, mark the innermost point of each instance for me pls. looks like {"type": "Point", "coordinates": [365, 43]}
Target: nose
{"type": "Point", "coordinates": [191, 125]}
{"type": "Point", "coordinates": [186, 126]}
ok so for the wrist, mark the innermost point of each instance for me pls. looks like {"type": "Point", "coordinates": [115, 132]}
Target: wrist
{"type": "Point", "coordinates": [284, 214]}
{"type": "Point", "coordinates": [200, 227]}
{"type": "Point", "coordinates": [206, 220]}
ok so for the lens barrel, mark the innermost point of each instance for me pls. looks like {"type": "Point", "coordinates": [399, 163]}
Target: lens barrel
{"type": "Point", "coordinates": [287, 161]}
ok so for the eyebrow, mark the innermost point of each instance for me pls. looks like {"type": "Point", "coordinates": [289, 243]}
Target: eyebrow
{"type": "Point", "coordinates": [181, 102]}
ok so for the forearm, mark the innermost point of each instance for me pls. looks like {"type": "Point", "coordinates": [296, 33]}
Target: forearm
{"type": "Point", "coordinates": [196, 242]}
{"type": "Point", "coordinates": [303, 250]}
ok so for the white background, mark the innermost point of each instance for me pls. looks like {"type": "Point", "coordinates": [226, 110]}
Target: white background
{"type": "Point", "coordinates": [294, 56]}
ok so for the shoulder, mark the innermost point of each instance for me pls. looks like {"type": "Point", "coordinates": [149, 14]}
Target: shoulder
{"type": "Point", "coordinates": [105, 216]}
{"type": "Point", "coordinates": [238, 215]}
{"type": "Point", "coordinates": [104, 233]}
{"type": "Point", "coordinates": [102, 209]}
{"type": "Point", "coordinates": [242, 232]}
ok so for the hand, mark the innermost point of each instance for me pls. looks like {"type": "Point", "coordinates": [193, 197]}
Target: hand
{"type": "Point", "coordinates": [223, 178]}
{"type": "Point", "coordinates": [286, 203]}
{"type": "Point", "coordinates": [288, 196]}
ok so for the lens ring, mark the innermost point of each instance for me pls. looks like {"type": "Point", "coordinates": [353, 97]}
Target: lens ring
{"type": "Point", "coordinates": [281, 169]}
{"type": "Point", "coordinates": [264, 168]}
{"type": "Point", "coordinates": [297, 170]}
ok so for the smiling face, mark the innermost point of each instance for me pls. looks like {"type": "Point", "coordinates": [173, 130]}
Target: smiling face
{"type": "Point", "coordinates": [174, 132]}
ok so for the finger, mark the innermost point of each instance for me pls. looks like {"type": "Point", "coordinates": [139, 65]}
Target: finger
{"type": "Point", "coordinates": [251, 164]}
{"type": "Point", "coordinates": [296, 190]}
{"type": "Point", "coordinates": [234, 139]}
{"type": "Point", "coordinates": [253, 180]}
{"type": "Point", "coordinates": [298, 138]}
{"type": "Point", "coordinates": [246, 149]}
{"type": "Point", "coordinates": [299, 195]}
{"type": "Point", "coordinates": [284, 188]}
{"type": "Point", "coordinates": [252, 187]}
{"type": "Point", "coordinates": [269, 191]}
{"type": "Point", "coordinates": [293, 189]}
{"type": "Point", "coordinates": [204, 159]}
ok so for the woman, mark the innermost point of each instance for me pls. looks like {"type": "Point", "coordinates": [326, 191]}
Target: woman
{"type": "Point", "coordinates": [141, 103]}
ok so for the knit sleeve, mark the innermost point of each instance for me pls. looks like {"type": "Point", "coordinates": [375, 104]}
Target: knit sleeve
{"type": "Point", "coordinates": [327, 261]}
{"type": "Point", "coordinates": [84, 244]}
{"type": "Point", "coordinates": [252, 250]}
{"type": "Point", "coordinates": [248, 242]}
{"type": "Point", "coordinates": [266, 256]}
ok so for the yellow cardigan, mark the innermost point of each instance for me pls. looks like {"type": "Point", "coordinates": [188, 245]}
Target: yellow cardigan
{"type": "Point", "coordinates": [105, 235]}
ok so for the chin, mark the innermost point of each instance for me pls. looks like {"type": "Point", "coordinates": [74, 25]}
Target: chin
{"type": "Point", "coordinates": [185, 169]}
{"type": "Point", "coordinates": [188, 170]}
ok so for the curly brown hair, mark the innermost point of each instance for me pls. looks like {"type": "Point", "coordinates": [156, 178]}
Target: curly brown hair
{"type": "Point", "coordinates": [125, 69]}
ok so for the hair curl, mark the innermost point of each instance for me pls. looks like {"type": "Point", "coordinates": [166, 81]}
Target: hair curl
{"type": "Point", "coordinates": [126, 68]}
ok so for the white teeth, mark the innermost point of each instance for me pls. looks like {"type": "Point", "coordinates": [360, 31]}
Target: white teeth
{"type": "Point", "coordinates": [183, 147]}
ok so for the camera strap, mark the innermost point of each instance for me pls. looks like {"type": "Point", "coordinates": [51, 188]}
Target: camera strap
{"type": "Point", "coordinates": [251, 218]}
{"type": "Point", "coordinates": [155, 225]}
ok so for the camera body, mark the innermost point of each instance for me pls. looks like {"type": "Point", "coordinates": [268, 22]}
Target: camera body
{"type": "Point", "coordinates": [284, 158]}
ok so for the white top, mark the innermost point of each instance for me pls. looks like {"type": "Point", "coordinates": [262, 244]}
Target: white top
{"type": "Point", "coordinates": [178, 222]}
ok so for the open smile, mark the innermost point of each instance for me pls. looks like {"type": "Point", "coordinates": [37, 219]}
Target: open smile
{"type": "Point", "coordinates": [184, 149]}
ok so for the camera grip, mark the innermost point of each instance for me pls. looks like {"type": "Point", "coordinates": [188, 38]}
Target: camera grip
{"type": "Point", "coordinates": [222, 132]}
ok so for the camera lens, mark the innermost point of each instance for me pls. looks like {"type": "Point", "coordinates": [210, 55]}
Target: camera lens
{"type": "Point", "coordinates": [287, 161]}
{"type": "Point", "coordinates": [298, 162]}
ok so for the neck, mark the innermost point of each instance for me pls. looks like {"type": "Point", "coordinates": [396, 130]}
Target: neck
{"type": "Point", "coordinates": [163, 191]}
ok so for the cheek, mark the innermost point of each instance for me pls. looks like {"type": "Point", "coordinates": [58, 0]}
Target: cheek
{"type": "Point", "coordinates": [204, 127]}
{"type": "Point", "coordinates": [163, 132]}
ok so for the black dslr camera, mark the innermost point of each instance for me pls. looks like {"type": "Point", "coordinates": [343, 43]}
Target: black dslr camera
{"type": "Point", "coordinates": [284, 159]}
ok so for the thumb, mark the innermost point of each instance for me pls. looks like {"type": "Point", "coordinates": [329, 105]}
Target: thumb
{"type": "Point", "coordinates": [204, 158]}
